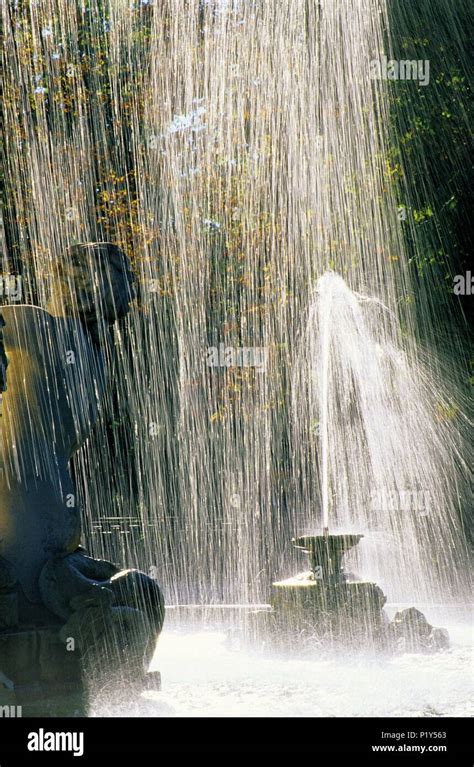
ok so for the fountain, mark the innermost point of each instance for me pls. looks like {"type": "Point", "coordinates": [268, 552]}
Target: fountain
{"type": "Point", "coordinates": [326, 602]}
{"type": "Point", "coordinates": [360, 380]}
{"type": "Point", "coordinates": [383, 463]}
{"type": "Point", "coordinates": [327, 605]}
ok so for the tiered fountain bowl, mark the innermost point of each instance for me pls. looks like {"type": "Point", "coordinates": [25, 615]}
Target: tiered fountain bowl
{"type": "Point", "coordinates": [325, 554]}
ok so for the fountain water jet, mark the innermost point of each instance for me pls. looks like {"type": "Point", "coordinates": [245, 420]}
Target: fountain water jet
{"type": "Point", "coordinates": [381, 440]}
{"type": "Point", "coordinates": [376, 431]}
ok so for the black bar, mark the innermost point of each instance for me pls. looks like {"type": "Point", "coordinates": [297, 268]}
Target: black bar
{"type": "Point", "coordinates": [132, 739]}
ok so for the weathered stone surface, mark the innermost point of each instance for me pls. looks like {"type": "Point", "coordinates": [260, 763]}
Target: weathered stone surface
{"type": "Point", "coordinates": [326, 553]}
{"type": "Point", "coordinates": [38, 655]}
{"type": "Point", "coordinates": [48, 411]}
{"type": "Point", "coordinates": [345, 611]}
{"type": "Point", "coordinates": [39, 674]}
{"type": "Point", "coordinates": [410, 631]}
{"type": "Point", "coordinates": [8, 611]}
{"type": "Point", "coordinates": [326, 603]}
{"type": "Point", "coordinates": [50, 406]}
{"type": "Point", "coordinates": [3, 360]}
{"type": "Point", "coordinates": [113, 615]}
{"type": "Point", "coordinates": [7, 577]}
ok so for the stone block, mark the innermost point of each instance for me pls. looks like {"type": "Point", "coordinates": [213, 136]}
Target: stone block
{"type": "Point", "coordinates": [8, 611]}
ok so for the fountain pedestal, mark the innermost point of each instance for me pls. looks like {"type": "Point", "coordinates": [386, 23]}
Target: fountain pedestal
{"type": "Point", "coordinates": [327, 606]}
{"type": "Point", "coordinates": [325, 602]}
{"type": "Point", "coordinates": [39, 675]}
{"type": "Point", "coordinates": [53, 666]}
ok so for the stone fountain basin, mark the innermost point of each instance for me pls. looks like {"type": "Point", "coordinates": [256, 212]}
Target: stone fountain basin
{"type": "Point", "coordinates": [326, 553]}
{"type": "Point", "coordinates": [313, 543]}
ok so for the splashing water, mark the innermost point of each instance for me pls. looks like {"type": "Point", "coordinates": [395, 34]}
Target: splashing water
{"type": "Point", "coordinates": [204, 678]}
{"type": "Point", "coordinates": [236, 151]}
{"type": "Point", "coordinates": [387, 463]}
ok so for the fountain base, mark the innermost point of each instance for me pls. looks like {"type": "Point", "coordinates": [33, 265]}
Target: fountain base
{"type": "Point", "coordinates": [327, 604]}
{"type": "Point", "coordinates": [347, 610]}
{"type": "Point", "coordinates": [95, 628]}
{"type": "Point", "coordinates": [38, 675]}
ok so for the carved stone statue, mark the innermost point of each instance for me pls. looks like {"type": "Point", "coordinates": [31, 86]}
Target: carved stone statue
{"type": "Point", "coordinates": [3, 359]}
{"type": "Point", "coordinates": [56, 378]}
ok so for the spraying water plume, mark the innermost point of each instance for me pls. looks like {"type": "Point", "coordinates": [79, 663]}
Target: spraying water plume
{"type": "Point", "coordinates": [387, 460]}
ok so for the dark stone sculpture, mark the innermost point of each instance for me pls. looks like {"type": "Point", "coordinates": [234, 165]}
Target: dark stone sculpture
{"type": "Point", "coordinates": [409, 631]}
{"type": "Point", "coordinates": [3, 359]}
{"type": "Point", "coordinates": [56, 378]}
